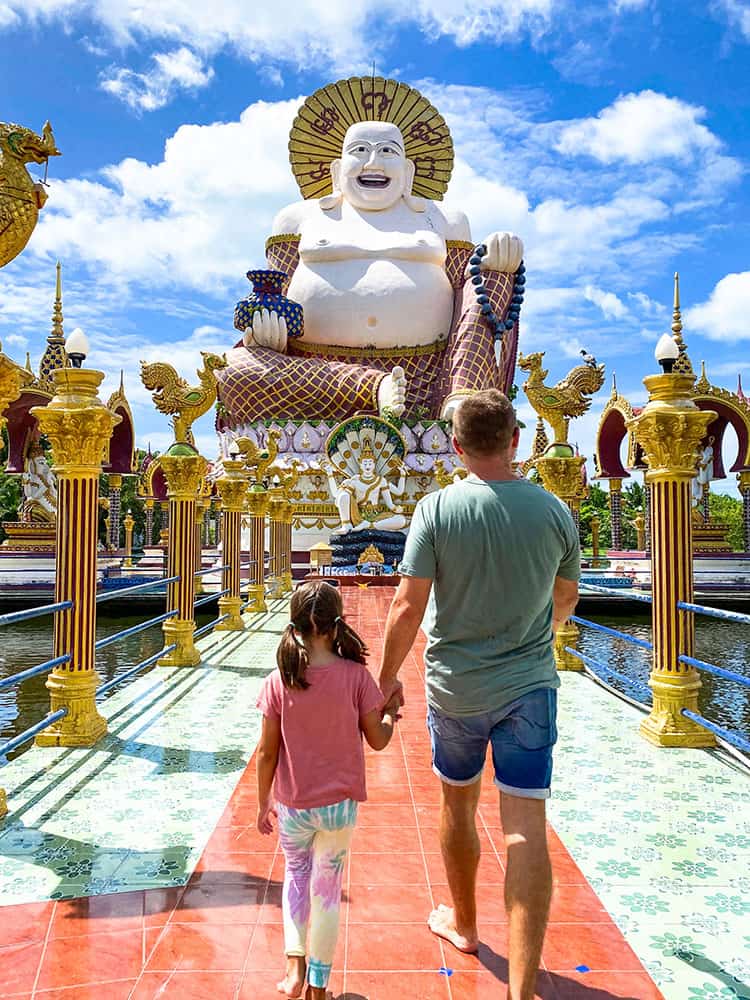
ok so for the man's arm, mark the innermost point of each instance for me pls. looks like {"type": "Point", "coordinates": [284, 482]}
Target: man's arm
{"type": "Point", "coordinates": [564, 601]}
{"type": "Point", "coordinates": [404, 619]}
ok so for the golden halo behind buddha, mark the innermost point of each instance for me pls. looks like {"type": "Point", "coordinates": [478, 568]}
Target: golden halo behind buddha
{"type": "Point", "coordinates": [320, 126]}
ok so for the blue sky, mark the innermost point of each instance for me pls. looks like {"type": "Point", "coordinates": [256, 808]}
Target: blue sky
{"type": "Point", "coordinates": [613, 137]}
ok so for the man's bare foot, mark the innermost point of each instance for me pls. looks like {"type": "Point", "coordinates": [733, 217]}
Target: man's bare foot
{"type": "Point", "coordinates": [442, 922]}
{"type": "Point", "coordinates": [292, 983]}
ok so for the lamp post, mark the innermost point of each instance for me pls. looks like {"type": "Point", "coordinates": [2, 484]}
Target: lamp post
{"type": "Point", "coordinates": [128, 522]}
{"type": "Point", "coordinates": [670, 429]}
{"type": "Point", "coordinates": [78, 426]}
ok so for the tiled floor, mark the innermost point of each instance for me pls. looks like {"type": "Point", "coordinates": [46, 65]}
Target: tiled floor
{"type": "Point", "coordinates": [219, 936]}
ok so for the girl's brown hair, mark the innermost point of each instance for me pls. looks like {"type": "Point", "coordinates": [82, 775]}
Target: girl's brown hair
{"type": "Point", "coordinates": [315, 608]}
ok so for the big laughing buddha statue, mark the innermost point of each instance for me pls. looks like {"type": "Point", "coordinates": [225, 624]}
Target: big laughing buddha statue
{"type": "Point", "coordinates": [391, 318]}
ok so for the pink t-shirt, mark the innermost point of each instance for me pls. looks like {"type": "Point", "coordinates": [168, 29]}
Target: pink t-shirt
{"type": "Point", "coordinates": [321, 758]}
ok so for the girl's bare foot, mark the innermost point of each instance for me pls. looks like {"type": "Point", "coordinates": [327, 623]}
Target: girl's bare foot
{"type": "Point", "coordinates": [292, 983]}
{"type": "Point", "coordinates": [315, 993]}
{"type": "Point", "coordinates": [442, 922]}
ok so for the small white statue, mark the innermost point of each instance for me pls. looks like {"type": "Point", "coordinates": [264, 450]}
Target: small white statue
{"type": "Point", "coordinates": [357, 495]}
{"type": "Point", "coordinates": [705, 471]}
{"type": "Point", "coordinates": [39, 487]}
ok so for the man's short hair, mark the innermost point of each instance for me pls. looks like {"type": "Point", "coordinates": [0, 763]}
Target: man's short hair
{"type": "Point", "coordinates": [483, 424]}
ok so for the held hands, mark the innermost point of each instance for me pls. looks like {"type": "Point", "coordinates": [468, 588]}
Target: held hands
{"type": "Point", "coordinates": [504, 253]}
{"type": "Point", "coordinates": [268, 330]}
{"type": "Point", "coordinates": [266, 810]}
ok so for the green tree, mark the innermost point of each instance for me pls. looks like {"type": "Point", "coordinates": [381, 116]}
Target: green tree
{"type": "Point", "coordinates": [728, 510]}
{"type": "Point", "coordinates": [10, 500]}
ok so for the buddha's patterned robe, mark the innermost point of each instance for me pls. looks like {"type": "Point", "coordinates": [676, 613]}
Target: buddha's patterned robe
{"type": "Point", "coordinates": [328, 382]}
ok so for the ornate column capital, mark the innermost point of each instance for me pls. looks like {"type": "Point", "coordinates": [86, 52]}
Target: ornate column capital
{"type": "Point", "coordinates": [562, 476]}
{"type": "Point", "coordinates": [670, 428]}
{"type": "Point", "coordinates": [232, 486]}
{"type": "Point", "coordinates": [615, 485]}
{"type": "Point", "coordinates": [115, 480]}
{"type": "Point", "coordinates": [743, 478]}
{"type": "Point", "coordinates": [77, 422]}
{"type": "Point", "coordinates": [257, 502]}
{"type": "Point", "coordinates": [183, 472]}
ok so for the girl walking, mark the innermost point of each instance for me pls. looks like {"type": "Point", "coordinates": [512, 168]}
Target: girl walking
{"type": "Point", "coordinates": [316, 708]}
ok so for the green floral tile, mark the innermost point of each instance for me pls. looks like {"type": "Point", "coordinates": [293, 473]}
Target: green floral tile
{"type": "Point", "coordinates": [136, 810]}
{"type": "Point", "coordinates": [663, 836]}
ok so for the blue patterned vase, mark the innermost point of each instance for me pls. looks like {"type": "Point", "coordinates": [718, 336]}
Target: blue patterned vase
{"type": "Point", "coordinates": [267, 294]}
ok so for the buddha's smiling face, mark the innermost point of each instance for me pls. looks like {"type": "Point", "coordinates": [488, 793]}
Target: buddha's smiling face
{"type": "Point", "coordinates": [373, 172]}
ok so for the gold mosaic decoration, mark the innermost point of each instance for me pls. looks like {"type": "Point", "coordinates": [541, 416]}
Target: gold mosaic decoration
{"type": "Point", "coordinates": [320, 126]}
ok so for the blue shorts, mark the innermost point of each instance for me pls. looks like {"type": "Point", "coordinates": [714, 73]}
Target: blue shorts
{"type": "Point", "coordinates": [522, 735]}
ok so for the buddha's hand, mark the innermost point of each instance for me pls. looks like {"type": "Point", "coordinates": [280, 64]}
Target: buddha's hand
{"type": "Point", "coordinates": [504, 253]}
{"type": "Point", "coordinates": [268, 330]}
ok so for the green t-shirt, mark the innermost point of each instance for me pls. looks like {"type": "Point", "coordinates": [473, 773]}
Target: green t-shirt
{"type": "Point", "coordinates": [493, 551]}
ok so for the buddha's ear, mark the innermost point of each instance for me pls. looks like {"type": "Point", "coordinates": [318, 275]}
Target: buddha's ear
{"type": "Point", "coordinates": [414, 203]}
{"type": "Point", "coordinates": [333, 200]}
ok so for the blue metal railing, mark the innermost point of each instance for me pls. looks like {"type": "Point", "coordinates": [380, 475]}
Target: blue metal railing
{"type": "Point", "coordinates": [134, 629]}
{"type": "Point", "coordinates": [119, 592]}
{"type": "Point", "coordinates": [211, 597]}
{"type": "Point", "coordinates": [43, 668]}
{"type": "Point", "coordinates": [596, 665]}
{"type": "Point", "coordinates": [727, 616]}
{"type": "Point", "coordinates": [734, 739]}
{"type": "Point", "coordinates": [644, 643]}
{"type": "Point", "coordinates": [211, 569]}
{"type": "Point", "coordinates": [30, 733]}
{"type": "Point", "coordinates": [44, 609]}
{"type": "Point", "coordinates": [632, 595]}
{"type": "Point", "coordinates": [104, 688]}
{"type": "Point", "coordinates": [711, 668]}
{"type": "Point", "coordinates": [207, 628]}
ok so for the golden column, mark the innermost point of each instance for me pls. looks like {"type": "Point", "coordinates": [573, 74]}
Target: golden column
{"type": "Point", "coordinates": [286, 577]}
{"type": "Point", "coordinates": [615, 512]}
{"type": "Point", "coordinates": [743, 478]}
{"type": "Point", "coordinates": [257, 506]}
{"type": "Point", "coordinates": [149, 526]}
{"type": "Point", "coordinates": [198, 541]}
{"type": "Point", "coordinates": [560, 471]}
{"type": "Point", "coordinates": [115, 498]}
{"type": "Point", "coordinates": [128, 522]}
{"type": "Point", "coordinates": [183, 469]}
{"type": "Point", "coordinates": [670, 430]}
{"type": "Point", "coordinates": [595, 525]}
{"type": "Point", "coordinates": [78, 425]}
{"type": "Point", "coordinates": [277, 510]}
{"type": "Point", "coordinates": [232, 487]}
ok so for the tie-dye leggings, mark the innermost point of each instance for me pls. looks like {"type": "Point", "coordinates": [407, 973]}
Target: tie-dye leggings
{"type": "Point", "coordinates": [315, 844]}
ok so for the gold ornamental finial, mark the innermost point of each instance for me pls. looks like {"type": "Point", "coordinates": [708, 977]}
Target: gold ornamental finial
{"type": "Point", "coordinates": [54, 356]}
{"type": "Point", "coordinates": [682, 365]}
{"type": "Point", "coordinates": [614, 385]}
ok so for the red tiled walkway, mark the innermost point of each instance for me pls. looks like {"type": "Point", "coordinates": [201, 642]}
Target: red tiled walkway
{"type": "Point", "coordinates": [221, 936]}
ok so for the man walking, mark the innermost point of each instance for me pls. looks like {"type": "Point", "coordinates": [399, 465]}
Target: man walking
{"type": "Point", "coordinates": [498, 558]}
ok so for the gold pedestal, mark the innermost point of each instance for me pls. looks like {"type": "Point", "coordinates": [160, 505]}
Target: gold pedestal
{"type": "Point", "coordinates": [179, 632]}
{"type": "Point", "coordinates": [567, 635]}
{"type": "Point", "coordinates": [256, 597]}
{"type": "Point", "coordinates": [3, 803]}
{"type": "Point", "coordinates": [83, 725]}
{"type": "Point", "coordinates": [230, 606]}
{"type": "Point", "coordinates": [29, 536]}
{"type": "Point", "coordinates": [666, 726]}
{"type": "Point", "coordinates": [710, 537]}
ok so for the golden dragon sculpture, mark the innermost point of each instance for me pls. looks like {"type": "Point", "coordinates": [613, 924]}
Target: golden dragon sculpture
{"type": "Point", "coordinates": [260, 461]}
{"type": "Point", "coordinates": [570, 397]}
{"type": "Point", "coordinates": [172, 394]}
{"type": "Point", "coordinates": [20, 197]}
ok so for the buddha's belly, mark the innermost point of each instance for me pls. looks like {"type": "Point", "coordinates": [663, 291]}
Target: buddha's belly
{"type": "Point", "coordinates": [381, 303]}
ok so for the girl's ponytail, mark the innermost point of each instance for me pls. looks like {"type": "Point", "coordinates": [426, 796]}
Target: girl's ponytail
{"type": "Point", "coordinates": [292, 660]}
{"type": "Point", "coordinates": [346, 643]}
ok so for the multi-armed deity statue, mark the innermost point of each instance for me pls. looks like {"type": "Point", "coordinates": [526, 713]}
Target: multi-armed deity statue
{"type": "Point", "coordinates": [392, 321]}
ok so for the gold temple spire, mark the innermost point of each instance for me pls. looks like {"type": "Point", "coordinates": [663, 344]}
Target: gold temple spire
{"type": "Point", "coordinates": [54, 356]}
{"type": "Point", "coordinates": [682, 365]}
{"type": "Point", "coordinates": [614, 385]}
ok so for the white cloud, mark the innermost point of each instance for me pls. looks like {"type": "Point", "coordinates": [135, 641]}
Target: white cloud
{"type": "Point", "coordinates": [608, 302]}
{"type": "Point", "coordinates": [738, 15]}
{"type": "Point", "coordinates": [173, 71]}
{"type": "Point", "coordinates": [726, 313]}
{"type": "Point", "coordinates": [640, 128]}
{"type": "Point", "coordinates": [311, 34]}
